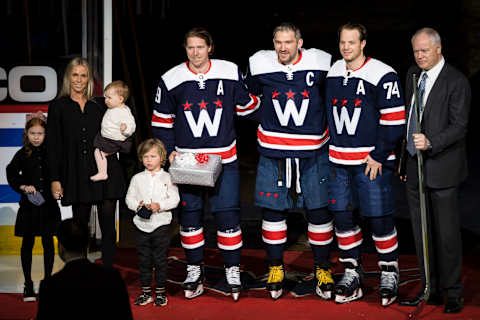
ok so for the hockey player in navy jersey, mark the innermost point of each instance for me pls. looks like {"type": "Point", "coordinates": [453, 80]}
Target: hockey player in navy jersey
{"type": "Point", "coordinates": [366, 116]}
{"type": "Point", "coordinates": [194, 111]}
{"type": "Point", "coordinates": [292, 137]}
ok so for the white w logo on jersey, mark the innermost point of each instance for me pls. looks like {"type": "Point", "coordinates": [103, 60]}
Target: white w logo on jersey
{"type": "Point", "coordinates": [344, 120]}
{"type": "Point", "coordinates": [204, 120]}
{"type": "Point", "coordinates": [291, 112]}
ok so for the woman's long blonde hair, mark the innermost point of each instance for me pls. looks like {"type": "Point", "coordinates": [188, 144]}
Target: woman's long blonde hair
{"type": "Point", "coordinates": [78, 61]}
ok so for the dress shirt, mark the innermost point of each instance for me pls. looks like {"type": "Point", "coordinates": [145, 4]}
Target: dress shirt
{"type": "Point", "coordinates": [432, 76]}
{"type": "Point", "coordinates": [152, 188]}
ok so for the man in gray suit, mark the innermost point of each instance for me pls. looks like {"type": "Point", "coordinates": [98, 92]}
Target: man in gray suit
{"type": "Point", "coordinates": [444, 99]}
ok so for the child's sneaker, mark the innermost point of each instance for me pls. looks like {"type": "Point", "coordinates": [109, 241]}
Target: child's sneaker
{"type": "Point", "coordinates": [160, 297]}
{"type": "Point", "coordinates": [29, 293]}
{"type": "Point", "coordinates": [144, 298]}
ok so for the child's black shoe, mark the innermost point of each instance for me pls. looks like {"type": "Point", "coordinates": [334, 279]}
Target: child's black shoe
{"type": "Point", "coordinates": [29, 293]}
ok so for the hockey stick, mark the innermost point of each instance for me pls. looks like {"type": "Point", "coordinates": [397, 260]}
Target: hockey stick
{"type": "Point", "coordinates": [423, 210]}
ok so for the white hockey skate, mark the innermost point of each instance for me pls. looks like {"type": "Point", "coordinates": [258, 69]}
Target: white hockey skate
{"type": "Point", "coordinates": [193, 284]}
{"type": "Point", "coordinates": [388, 282]}
{"type": "Point", "coordinates": [232, 275]}
{"type": "Point", "coordinates": [275, 281]}
{"type": "Point", "coordinates": [349, 288]}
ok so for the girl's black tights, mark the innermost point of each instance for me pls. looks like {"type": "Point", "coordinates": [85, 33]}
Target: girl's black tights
{"type": "Point", "coordinates": [26, 256]}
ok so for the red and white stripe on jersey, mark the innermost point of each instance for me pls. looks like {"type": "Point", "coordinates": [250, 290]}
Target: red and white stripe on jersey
{"type": "Point", "coordinates": [274, 232]}
{"type": "Point", "coordinates": [290, 141]}
{"type": "Point", "coordinates": [320, 234]}
{"type": "Point", "coordinates": [162, 120]}
{"type": "Point", "coordinates": [349, 239]}
{"type": "Point", "coordinates": [192, 239]}
{"type": "Point", "coordinates": [250, 107]}
{"type": "Point", "coordinates": [392, 116]}
{"type": "Point", "coordinates": [229, 240]}
{"type": "Point", "coordinates": [228, 153]}
{"type": "Point", "coordinates": [386, 244]}
{"type": "Point", "coordinates": [351, 156]}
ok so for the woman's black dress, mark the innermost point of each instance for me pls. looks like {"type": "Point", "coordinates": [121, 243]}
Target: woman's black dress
{"type": "Point", "coordinates": [70, 134]}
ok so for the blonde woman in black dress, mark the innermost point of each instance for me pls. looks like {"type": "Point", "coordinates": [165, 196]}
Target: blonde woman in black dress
{"type": "Point", "coordinates": [74, 120]}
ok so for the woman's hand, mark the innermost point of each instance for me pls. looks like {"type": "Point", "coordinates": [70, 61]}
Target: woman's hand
{"type": "Point", "coordinates": [57, 190]}
{"type": "Point", "coordinates": [28, 189]}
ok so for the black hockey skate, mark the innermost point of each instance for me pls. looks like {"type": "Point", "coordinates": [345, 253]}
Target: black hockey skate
{"type": "Point", "coordinates": [324, 286]}
{"type": "Point", "coordinates": [193, 284]}
{"type": "Point", "coordinates": [388, 282]}
{"type": "Point", "coordinates": [232, 274]}
{"type": "Point", "coordinates": [275, 281]}
{"type": "Point", "coordinates": [349, 288]}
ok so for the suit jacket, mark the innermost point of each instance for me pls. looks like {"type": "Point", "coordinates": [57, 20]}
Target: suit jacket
{"type": "Point", "coordinates": [444, 123]}
{"type": "Point", "coordinates": [84, 290]}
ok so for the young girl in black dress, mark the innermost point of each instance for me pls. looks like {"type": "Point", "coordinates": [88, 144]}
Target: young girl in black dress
{"type": "Point", "coordinates": [38, 214]}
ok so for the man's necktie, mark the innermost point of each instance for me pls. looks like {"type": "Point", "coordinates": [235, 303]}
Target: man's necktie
{"type": "Point", "coordinates": [412, 127]}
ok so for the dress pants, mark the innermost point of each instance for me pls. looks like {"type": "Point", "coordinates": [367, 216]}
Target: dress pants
{"type": "Point", "coordinates": [444, 236]}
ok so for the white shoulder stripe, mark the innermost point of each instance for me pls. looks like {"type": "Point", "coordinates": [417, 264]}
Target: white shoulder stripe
{"type": "Point", "coordinates": [373, 71]}
{"type": "Point", "coordinates": [266, 61]}
{"type": "Point", "coordinates": [220, 69]}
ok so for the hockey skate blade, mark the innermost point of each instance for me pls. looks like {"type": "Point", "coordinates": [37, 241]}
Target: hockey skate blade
{"type": "Point", "coordinates": [388, 301]}
{"type": "Point", "coordinates": [326, 295]}
{"type": "Point", "coordinates": [190, 294]}
{"type": "Point", "coordinates": [235, 296]}
{"type": "Point", "coordinates": [276, 294]}
{"type": "Point", "coordinates": [357, 294]}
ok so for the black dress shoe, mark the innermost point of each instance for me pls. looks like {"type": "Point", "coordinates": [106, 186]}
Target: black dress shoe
{"type": "Point", "coordinates": [434, 299]}
{"type": "Point", "coordinates": [453, 305]}
{"type": "Point", "coordinates": [412, 302]}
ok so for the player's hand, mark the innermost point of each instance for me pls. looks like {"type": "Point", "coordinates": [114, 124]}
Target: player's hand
{"type": "Point", "coordinates": [420, 141]}
{"type": "Point", "coordinates": [123, 127]}
{"type": "Point", "coordinates": [373, 167]}
{"type": "Point", "coordinates": [402, 178]}
{"type": "Point", "coordinates": [172, 156]}
{"type": "Point", "coordinates": [57, 190]}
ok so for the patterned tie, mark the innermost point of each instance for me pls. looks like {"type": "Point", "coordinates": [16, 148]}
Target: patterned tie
{"type": "Point", "coordinates": [412, 127]}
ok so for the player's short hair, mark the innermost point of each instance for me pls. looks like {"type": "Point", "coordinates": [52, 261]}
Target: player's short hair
{"type": "Point", "coordinates": [120, 88]}
{"type": "Point", "coordinates": [201, 33]}
{"type": "Point", "coordinates": [432, 33]}
{"type": "Point", "coordinates": [72, 236]}
{"type": "Point", "coordinates": [287, 26]}
{"type": "Point", "coordinates": [148, 145]}
{"type": "Point", "coordinates": [354, 26]}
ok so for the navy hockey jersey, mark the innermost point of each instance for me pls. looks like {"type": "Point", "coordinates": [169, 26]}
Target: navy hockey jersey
{"type": "Point", "coordinates": [292, 116]}
{"type": "Point", "coordinates": [365, 112]}
{"type": "Point", "coordinates": [194, 112]}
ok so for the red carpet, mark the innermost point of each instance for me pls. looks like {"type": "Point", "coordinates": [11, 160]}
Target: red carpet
{"type": "Point", "coordinates": [257, 304]}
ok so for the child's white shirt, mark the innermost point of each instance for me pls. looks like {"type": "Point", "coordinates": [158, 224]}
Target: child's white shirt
{"type": "Point", "coordinates": [113, 118]}
{"type": "Point", "coordinates": [157, 188]}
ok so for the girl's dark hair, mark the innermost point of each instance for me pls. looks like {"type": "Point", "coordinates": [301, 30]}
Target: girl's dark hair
{"type": "Point", "coordinates": [31, 123]}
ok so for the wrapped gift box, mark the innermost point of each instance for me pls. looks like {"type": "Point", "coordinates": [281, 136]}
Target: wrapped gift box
{"type": "Point", "coordinates": [196, 169]}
